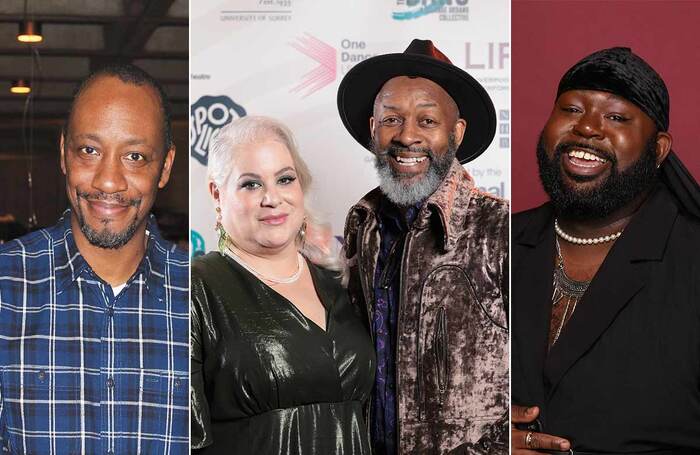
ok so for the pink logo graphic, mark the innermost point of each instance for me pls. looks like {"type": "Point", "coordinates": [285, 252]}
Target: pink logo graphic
{"type": "Point", "coordinates": [324, 73]}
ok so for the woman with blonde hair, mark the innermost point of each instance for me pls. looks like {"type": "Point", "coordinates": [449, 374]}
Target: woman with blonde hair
{"type": "Point", "coordinates": [281, 362]}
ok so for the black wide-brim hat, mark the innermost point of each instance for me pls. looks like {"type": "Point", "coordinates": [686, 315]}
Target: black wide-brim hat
{"type": "Point", "coordinates": [362, 83]}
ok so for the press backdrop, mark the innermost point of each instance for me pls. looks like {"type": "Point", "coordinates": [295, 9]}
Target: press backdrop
{"type": "Point", "coordinates": [285, 58]}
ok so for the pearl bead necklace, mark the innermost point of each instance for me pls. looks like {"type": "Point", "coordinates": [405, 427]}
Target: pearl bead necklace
{"type": "Point", "coordinates": [274, 280]}
{"type": "Point", "coordinates": [584, 241]}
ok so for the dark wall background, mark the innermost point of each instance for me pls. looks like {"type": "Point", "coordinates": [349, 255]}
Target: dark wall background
{"type": "Point", "coordinates": [81, 36]}
{"type": "Point", "coordinates": [50, 198]}
{"type": "Point", "coordinates": [548, 37]}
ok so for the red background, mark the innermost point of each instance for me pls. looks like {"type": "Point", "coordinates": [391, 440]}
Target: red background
{"type": "Point", "coordinates": [548, 37]}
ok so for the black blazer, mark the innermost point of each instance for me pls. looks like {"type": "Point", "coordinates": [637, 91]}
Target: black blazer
{"type": "Point", "coordinates": [624, 375]}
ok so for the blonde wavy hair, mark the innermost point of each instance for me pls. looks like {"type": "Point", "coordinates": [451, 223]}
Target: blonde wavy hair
{"type": "Point", "coordinates": [317, 244]}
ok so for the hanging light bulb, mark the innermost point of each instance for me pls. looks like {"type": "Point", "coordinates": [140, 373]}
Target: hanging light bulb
{"type": "Point", "coordinates": [20, 86]}
{"type": "Point", "coordinates": [30, 32]}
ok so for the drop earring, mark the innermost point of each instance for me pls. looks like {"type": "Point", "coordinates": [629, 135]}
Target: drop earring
{"type": "Point", "coordinates": [219, 228]}
{"type": "Point", "coordinates": [302, 233]}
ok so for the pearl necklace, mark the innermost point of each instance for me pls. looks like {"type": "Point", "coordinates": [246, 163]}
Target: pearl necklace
{"type": "Point", "coordinates": [290, 279]}
{"type": "Point", "coordinates": [584, 241]}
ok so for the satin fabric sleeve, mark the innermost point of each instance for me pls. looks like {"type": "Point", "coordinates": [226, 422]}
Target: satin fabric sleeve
{"type": "Point", "coordinates": [200, 420]}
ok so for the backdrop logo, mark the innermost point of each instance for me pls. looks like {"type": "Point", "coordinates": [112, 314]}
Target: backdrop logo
{"type": "Point", "coordinates": [207, 116]}
{"type": "Point", "coordinates": [197, 242]}
{"type": "Point", "coordinates": [447, 10]}
{"type": "Point", "coordinates": [326, 71]}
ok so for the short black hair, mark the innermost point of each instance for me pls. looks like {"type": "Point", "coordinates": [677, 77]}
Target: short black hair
{"type": "Point", "coordinates": [129, 74]}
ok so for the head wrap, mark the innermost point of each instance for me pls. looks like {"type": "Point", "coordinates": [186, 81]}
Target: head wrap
{"type": "Point", "coordinates": [619, 71]}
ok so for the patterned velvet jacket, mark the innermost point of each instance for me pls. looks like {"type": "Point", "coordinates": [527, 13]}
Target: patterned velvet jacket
{"type": "Point", "coordinates": [452, 341]}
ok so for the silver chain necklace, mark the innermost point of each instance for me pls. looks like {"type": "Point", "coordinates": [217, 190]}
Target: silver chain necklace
{"type": "Point", "coordinates": [290, 279]}
{"type": "Point", "coordinates": [565, 290]}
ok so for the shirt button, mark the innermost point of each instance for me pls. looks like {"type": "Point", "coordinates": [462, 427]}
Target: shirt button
{"type": "Point", "coordinates": [110, 382]}
{"type": "Point", "coordinates": [42, 375]}
{"type": "Point", "coordinates": [109, 452]}
{"type": "Point", "coordinates": [177, 383]}
{"type": "Point", "coordinates": [110, 311]}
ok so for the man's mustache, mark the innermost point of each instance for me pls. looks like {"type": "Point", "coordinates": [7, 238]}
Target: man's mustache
{"type": "Point", "coordinates": [109, 198]}
{"type": "Point", "coordinates": [395, 149]}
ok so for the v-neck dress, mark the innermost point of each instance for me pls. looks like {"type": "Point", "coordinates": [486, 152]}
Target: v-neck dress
{"type": "Point", "coordinates": [266, 379]}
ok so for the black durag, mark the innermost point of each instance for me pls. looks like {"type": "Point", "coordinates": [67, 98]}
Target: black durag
{"type": "Point", "coordinates": [619, 71]}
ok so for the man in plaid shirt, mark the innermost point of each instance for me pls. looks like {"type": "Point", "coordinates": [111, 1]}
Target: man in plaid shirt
{"type": "Point", "coordinates": [94, 329]}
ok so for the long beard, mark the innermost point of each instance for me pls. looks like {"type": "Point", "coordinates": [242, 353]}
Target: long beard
{"type": "Point", "coordinates": [616, 191]}
{"type": "Point", "coordinates": [405, 194]}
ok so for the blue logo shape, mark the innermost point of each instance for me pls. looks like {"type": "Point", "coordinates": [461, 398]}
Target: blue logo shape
{"type": "Point", "coordinates": [207, 116]}
{"type": "Point", "coordinates": [197, 242]}
{"type": "Point", "coordinates": [427, 9]}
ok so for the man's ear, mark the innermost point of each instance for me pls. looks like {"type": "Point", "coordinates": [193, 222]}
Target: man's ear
{"type": "Point", "coordinates": [459, 129]}
{"type": "Point", "coordinates": [62, 145]}
{"type": "Point", "coordinates": [167, 167]}
{"type": "Point", "coordinates": [663, 146]}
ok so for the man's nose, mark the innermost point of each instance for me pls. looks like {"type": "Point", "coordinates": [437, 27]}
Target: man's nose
{"type": "Point", "coordinates": [408, 135]}
{"type": "Point", "coordinates": [109, 176]}
{"type": "Point", "coordinates": [589, 126]}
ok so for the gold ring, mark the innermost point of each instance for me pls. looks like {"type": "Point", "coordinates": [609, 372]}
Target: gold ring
{"type": "Point", "coordinates": [528, 440]}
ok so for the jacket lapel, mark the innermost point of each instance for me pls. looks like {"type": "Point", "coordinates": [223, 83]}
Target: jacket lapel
{"type": "Point", "coordinates": [621, 275]}
{"type": "Point", "coordinates": [532, 294]}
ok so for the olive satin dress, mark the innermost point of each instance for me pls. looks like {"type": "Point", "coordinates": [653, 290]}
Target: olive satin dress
{"type": "Point", "coordinates": [266, 379]}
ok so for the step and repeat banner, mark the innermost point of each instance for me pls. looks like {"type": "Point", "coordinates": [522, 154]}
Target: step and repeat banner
{"type": "Point", "coordinates": [286, 58]}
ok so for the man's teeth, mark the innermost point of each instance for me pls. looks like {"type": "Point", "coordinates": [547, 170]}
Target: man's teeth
{"type": "Point", "coordinates": [586, 156]}
{"type": "Point", "coordinates": [410, 161]}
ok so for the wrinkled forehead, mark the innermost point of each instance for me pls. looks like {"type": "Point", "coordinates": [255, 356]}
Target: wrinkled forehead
{"type": "Point", "coordinates": [407, 89]}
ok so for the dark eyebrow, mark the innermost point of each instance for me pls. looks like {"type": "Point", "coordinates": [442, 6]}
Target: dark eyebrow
{"type": "Point", "coordinates": [394, 108]}
{"type": "Point", "coordinates": [256, 176]}
{"type": "Point", "coordinates": [92, 137]}
{"type": "Point", "coordinates": [96, 138]}
{"type": "Point", "coordinates": [283, 170]}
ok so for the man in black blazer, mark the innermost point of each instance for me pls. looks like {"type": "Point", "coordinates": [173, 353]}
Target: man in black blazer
{"type": "Point", "coordinates": [606, 275]}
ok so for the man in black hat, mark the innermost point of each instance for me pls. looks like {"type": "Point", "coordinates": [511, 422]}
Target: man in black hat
{"type": "Point", "coordinates": [428, 255]}
{"type": "Point", "coordinates": [606, 275]}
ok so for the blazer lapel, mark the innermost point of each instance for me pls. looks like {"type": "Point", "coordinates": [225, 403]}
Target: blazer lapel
{"type": "Point", "coordinates": [621, 275]}
{"type": "Point", "coordinates": [532, 295]}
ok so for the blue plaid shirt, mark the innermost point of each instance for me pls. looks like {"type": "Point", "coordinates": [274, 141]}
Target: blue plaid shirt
{"type": "Point", "coordinates": [83, 371]}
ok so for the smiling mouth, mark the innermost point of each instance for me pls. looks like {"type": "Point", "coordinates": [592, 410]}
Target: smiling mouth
{"type": "Point", "coordinates": [409, 161]}
{"type": "Point", "coordinates": [274, 219]}
{"type": "Point", "coordinates": [585, 158]}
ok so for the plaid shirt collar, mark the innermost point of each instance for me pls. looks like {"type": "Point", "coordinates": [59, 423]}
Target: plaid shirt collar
{"type": "Point", "coordinates": [70, 264]}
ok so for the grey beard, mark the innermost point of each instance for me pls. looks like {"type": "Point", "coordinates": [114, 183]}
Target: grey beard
{"type": "Point", "coordinates": [408, 194]}
{"type": "Point", "coordinates": [106, 238]}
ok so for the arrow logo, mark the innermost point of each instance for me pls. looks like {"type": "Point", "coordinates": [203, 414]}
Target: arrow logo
{"type": "Point", "coordinates": [324, 73]}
